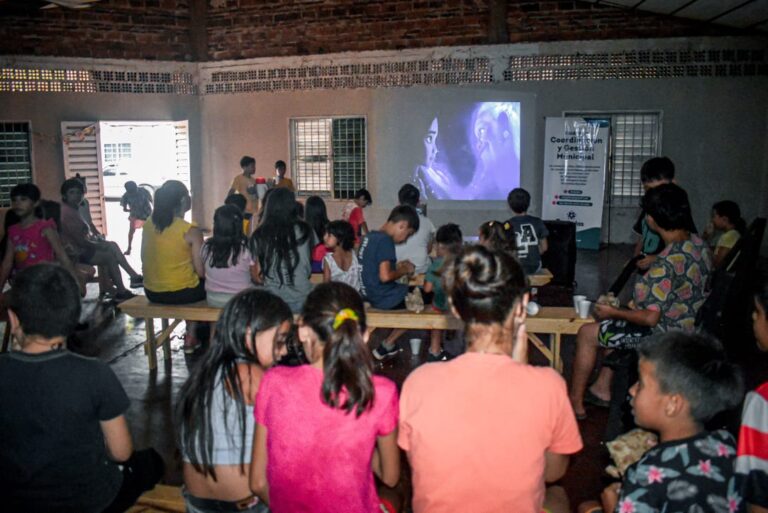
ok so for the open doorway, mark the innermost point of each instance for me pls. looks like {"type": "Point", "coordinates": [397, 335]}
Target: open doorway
{"type": "Point", "coordinates": [148, 153]}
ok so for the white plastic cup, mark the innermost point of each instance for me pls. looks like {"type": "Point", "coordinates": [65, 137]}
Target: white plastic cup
{"type": "Point", "coordinates": [576, 301]}
{"type": "Point", "coordinates": [584, 307]}
{"type": "Point", "coordinates": [415, 347]}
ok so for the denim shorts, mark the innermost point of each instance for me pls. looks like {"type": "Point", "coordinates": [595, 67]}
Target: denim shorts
{"type": "Point", "coordinates": [198, 505]}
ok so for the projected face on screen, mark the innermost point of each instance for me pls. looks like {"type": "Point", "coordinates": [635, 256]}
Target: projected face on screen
{"type": "Point", "coordinates": [470, 153]}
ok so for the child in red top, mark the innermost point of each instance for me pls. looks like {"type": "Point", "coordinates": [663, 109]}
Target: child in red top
{"type": "Point", "coordinates": [31, 240]}
{"type": "Point", "coordinates": [752, 452]}
{"type": "Point", "coordinates": [353, 212]}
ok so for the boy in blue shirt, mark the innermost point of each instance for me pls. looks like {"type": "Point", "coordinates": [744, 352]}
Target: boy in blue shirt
{"type": "Point", "coordinates": [380, 270]}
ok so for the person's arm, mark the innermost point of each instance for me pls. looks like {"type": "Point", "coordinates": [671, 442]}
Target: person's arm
{"type": "Point", "coordinates": [638, 247]}
{"type": "Point", "coordinates": [61, 255]}
{"type": "Point", "coordinates": [645, 317]}
{"type": "Point", "coordinates": [610, 497]}
{"type": "Point", "coordinates": [387, 464]}
{"type": "Point", "coordinates": [230, 192]}
{"type": "Point", "coordinates": [364, 228]}
{"type": "Point", "coordinates": [255, 273]}
{"type": "Point", "coordinates": [258, 479]}
{"type": "Point", "coordinates": [543, 245]}
{"type": "Point", "coordinates": [7, 266]}
{"type": "Point", "coordinates": [555, 466]}
{"type": "Point", "coordinates": [719, 255]}
{"type": "Point", "coordinates": [387, 274]}
{"type": "Point", "coordinates": [428, 287]}
{"type": "Point", "coordinates": [117, 438]}
{"type": "Point", "coordinates": [194, 238]}
{"type": "Point", "coordinates": [326, 271]}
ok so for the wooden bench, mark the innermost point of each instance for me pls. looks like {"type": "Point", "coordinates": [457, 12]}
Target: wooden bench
{"type": "Point", "coordinates": [552, 321]}
{"type": "Point", "coordinates": [538, 279]}
{"type": "Point", "coordinates": [161, 498]}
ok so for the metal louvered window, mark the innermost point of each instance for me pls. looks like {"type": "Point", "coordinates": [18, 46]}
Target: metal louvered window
{"type": "Point", "coordinates": [15, 158]}
{"type": "Point", "coordinates": [329, 155]}
{"type": "Point", "coordinates": [635, 138]}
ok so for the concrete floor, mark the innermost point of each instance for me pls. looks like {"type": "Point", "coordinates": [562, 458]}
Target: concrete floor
{"type": "Point", "coordinates": [117, 339]}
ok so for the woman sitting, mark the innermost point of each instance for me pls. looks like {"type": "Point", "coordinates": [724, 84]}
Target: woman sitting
{"type": "Point", "coordinates": [215, 408]}
{"type": "Point", "coordinates": [665, 298]}
{"type": "Point", "coordinates": [170, 254]}
{"type": "Point", "coordinates": [281, 247]}
{"type": "Point", "coordinates": [485, 431]}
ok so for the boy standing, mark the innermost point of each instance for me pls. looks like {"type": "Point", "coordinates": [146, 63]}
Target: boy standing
{"type": "Point", "coordinates": [684, 381]}
{"type": "Point", "coordinates": [246, 185]}
{"type": "Point", "coordinates": [418, 247]}
{"type": "Point", "coordinates": [280, 180]}
{"type": "Point", "coordinates": [530, 232]}
{"type": "Point", "coordinates": [449, 241]}
{"type": "Point", "coordinates": [380, 269]}
{"type": "Point", "coordinates": [353, 213]}
{"type": "Point", "coordinates": [654, 172]}
{"type": "Point", "coordinates": [64, 440]}
{"type": "Point", "coordinates": [138, 203]}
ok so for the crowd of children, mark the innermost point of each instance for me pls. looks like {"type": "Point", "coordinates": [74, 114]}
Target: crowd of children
{"type": "Point", "coordinates": [257, 434]}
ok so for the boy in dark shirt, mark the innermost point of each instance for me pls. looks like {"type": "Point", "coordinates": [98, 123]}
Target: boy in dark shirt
{"type": "Point", "coordinates": [64, 440]}
{"type": "Point", "coordinates": [380, 270]}
{"type": "Point", "coordinates": [654, 172]}
{"type": "Point", "coordinates": [684, 381]}
{"type": "Point", "coordinates": [138, 203]}
{"type": "Point", "coordinates": [530, 232]}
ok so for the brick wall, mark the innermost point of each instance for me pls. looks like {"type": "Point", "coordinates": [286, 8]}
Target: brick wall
{"type": "Point", "coordinates": [268, 28]}
{"type": "Point", "coordinates": [237, 29]}
{"type": "Point", "coordinates": [128, 29]}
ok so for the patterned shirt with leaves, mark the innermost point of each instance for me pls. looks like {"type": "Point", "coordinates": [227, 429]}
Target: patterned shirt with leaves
{"type": "Point", "coordinates": [693, 475]}
{"type": "Point", "coordinates": [676, 284]}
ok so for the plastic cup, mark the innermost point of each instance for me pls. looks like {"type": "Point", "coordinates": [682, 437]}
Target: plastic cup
{"type": "Point", "coordinates": [415, 346]}
{"type": "Point", "coordinates": [576, 301]}
{"type": "Point", "coordinates": [584, 307]}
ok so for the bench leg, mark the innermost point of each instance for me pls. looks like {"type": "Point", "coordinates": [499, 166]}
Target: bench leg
{"type": "Point", "coordinates": [166, 341]}
{"type": "Point", "coordinates": [150, 346]}
{"type": "Point", "coordinates": [557, 360]}
{"type": "Point", "coordinates": [541, 346]}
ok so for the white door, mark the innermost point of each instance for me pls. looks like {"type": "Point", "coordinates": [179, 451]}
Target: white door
{"type": "Point", "coordinates": [82, 155]}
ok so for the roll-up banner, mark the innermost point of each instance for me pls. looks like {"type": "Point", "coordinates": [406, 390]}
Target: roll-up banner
{"type": "Point", "coordinates": [575, 159]}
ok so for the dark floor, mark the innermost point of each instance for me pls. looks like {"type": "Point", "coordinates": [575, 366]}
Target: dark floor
{"type": "Point", "coordinates": [118, 340]}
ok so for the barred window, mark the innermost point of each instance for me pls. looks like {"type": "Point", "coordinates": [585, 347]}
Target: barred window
{"type": "Point", "coordinates": [15, 158]}
{"type": "Point", "coordinates": [115, 152]}
{"type": "Point", "coordinates": [635, 138]}
{"type": "Point", "coordinates": [329, 156]}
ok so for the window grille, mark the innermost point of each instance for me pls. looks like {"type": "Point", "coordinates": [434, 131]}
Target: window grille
{"type": "Point", "coordinates": [329, 155]}
{"type": "Point", "coordinates": [635, 138]}
{"type": "Point", "coordinates": [115, 152]}
{"type": "Point", "coordinates": [15, 158]}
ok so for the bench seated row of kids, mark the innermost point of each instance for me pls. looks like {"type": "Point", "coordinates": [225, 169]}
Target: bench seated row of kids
{"type": "Point", "coordinates": [252, 433]}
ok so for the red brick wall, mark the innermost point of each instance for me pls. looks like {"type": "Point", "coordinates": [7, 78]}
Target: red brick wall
{"type": "Point", "coordinates": [237, 29]}
{"type": "Point", "coordinates": [129, 29]}
{"type": "Point", "coordinates": [272, 27]}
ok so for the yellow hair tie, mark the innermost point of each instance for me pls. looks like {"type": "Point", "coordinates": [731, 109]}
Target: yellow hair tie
{"type": "Point", "coordinates": [506, 226]}
{"type": "Point", "coordinates": [344, 315]}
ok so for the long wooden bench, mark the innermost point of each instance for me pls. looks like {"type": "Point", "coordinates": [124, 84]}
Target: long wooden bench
{"type": "Point", "coordinates": [538, 279]}
{"type": "Point", "coordinates": [161, 498]}
{"type": "Point", "coordinates": [553, 321]}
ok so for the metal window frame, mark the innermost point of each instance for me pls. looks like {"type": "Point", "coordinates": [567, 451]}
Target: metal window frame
{"type": "Point", "coordinates": [28, 122]}
{"type": "Point", "coordinates": [612, 199]}
{"type": "Point", "coordinates": [292, 150]}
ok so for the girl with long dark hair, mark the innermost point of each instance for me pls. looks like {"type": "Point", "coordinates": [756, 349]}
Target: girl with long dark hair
{"type": "Point", "coordinates": [727, 220]}
{"type": "Point", "coordinates": [316, 216]}
{"type": "Point", "coordinates": [228, 262]}
{"type": "Point", "coordinates": [324, 429]}
{"type": "Point", "coordinates": [215, 408]}
{"type": "Point", "coordinates": [281, 245]}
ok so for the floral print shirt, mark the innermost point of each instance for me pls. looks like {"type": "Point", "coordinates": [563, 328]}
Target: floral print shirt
{"type": "Point", "coordinates": [693, 475]}
{"type": "Point", "coordinates": [676, 284]}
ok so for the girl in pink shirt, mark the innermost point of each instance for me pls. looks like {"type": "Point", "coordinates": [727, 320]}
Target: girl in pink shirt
{"type": "Point", "coordinates": [324, 429]}
{"type": "Point", "coordinates": [229, 266]}
{"type": "Point", "coordinates": [31, 240]}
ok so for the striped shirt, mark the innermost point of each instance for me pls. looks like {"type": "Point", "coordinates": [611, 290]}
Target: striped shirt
{"type": "Point", "coordinates": [752, 452]}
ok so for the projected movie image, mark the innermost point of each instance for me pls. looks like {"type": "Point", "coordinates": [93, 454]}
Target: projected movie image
{"type": "Point", "coordinates": [468, 152]}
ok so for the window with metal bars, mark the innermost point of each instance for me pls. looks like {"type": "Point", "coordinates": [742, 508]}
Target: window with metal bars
{"type": "Point", "coordinates": [635, 138]}
{"type": "Point", "coordinates": [329, 155]}
{"type": "Point", "coordinates": [115, 152]}
{"type": "Point", "coordinates": [15, 158]}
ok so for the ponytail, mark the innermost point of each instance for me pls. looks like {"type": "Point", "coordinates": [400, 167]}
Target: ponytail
{"type": "Point", "coordinates": [168, 199]}
{"type": "Point", "coordinates": [336, 314]}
